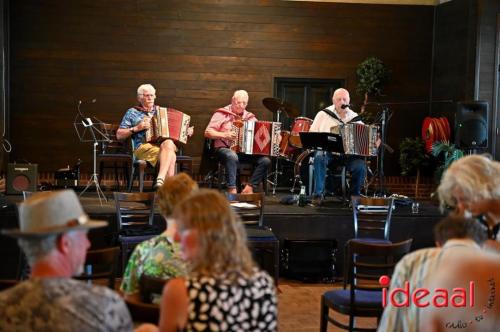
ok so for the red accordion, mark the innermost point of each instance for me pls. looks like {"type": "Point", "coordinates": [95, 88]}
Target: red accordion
{"type": "Point", "coordinates": [168, 123]}
{"type": "Point", "coordinates": [257, 137]}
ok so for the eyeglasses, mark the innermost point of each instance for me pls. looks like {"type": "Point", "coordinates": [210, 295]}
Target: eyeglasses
{"type": "Point", "coordinates": [146, 95]}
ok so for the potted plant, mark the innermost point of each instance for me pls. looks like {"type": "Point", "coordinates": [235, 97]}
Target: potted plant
{"type": "Point", "coordinates": [449, 152]}
{"type": "Point", "coordinates": [412, 158]}
{"type": "Point", "coordinates": [372, 75]}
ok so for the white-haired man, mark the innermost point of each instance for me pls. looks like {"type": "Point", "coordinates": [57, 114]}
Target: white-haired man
{"type": "Point", "coordinates": [53, 235]}
{"type": "Point", "coordinates": [328, 120]}
{"type": "Point", "coordinates": [219, 129]}
{"type": "Point", "coordinates": [135, 122]}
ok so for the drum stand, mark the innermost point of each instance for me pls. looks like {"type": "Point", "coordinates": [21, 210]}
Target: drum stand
{"type": "Point", "coordinates": [274, 174]}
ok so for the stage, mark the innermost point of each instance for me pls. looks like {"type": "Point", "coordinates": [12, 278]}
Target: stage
{"type": "Point", "coordinates": [333, 220]}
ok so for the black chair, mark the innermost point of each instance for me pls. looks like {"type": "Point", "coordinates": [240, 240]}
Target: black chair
{"type": "Point", "coordinates": [367, 262]}
{"type": "Point", "coordinates": [250, 207]}
{"type": "Point", "coordinates": [101, 264]}
{"type": "Point", "coordinates": [372, 219]}
{"type": "Point", "coordinates": [139, 169]}
{"type": "Point", "coordinates": [134, 215]}
{"type": "Point", "coordinates": [116, 155]}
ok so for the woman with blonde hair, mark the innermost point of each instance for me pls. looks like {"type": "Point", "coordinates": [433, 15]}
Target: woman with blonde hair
{"type": "Point", "coordinates": [224, 290]}
{"type": "Point", "coordinates": [160, 256]}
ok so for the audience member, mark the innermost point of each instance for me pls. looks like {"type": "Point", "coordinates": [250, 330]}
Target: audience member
{"type": "Point", "coordinates": [160, 256]}
{"type": "Point", "coordinates": [455, 237]}
{"type": "Point", "coordinates": [224, 290]}
{"type": "Point", "coordinates": [53, 235]}
{"type": "Point", "coordinates": [471, 185]}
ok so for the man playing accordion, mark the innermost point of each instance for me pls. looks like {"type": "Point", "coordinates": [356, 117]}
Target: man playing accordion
{"type": "Point", "coordinates": [220, 129]}
{"type": "Point", "coordinates": [135, 123]}
{"type": "Point", "coordinates": [329, 120]}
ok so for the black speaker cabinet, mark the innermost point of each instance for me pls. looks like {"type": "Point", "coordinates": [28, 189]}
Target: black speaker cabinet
{"type": "Point", "coordinates": [471, 125]}
{"type": "Point", "coordinates": [309, 260]}
{"type": "Point", "coordinates": [21, 177]}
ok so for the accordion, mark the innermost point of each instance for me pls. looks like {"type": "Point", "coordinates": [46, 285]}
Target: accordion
{"type": "Point", "coordinates": [168, 123]}
{"type": "Point", "coordinates": [359, 139]}
{"type": "Point", "coordinates": [257, 137]}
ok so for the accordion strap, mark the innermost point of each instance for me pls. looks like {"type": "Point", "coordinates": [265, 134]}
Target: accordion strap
{"type": "Point", "coordinates": [333, 115]}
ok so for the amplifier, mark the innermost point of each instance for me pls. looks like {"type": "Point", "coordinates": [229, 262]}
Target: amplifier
{"type": "Point", "coordinates": [21, 177]}
{"type": "Point", "coordinates": [309, 260]}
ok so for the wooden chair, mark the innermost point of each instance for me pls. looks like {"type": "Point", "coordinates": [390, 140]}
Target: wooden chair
{"type": "Point", "coordinates": [143, 312]}
{"type": "Point", "coordinates": [367, 263]}
{"type": "Point", "coordinates": [115, 155]}
{"type": "Point", "coordinates": [253, 214]}
{"type": "Point", "coordinates": [151, 288]}
{"type": "Point", "coordinates": [134, 215]}
{"type": "Point", "coordinates": [7, 283]}
{"type": "Point", "coordinates": [101, 264]}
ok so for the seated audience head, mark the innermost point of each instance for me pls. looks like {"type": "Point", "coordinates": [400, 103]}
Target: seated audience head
{"type": "Point", "coordinates": [468, 180]}
{"type": "Point", "coordinates": [211, 236]}
{"type": "Point", "coordinates": [53, 233]}
{"type": "Point", "coordinates": [174, 190]}
{"type": "Point", "coordinates": [457, 227]}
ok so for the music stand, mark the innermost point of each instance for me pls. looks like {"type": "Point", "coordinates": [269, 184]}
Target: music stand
{"type": "Point", "coordinates": [89, 130]}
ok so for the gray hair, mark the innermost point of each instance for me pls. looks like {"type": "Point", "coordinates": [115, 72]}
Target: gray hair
{"type": "Point", "coordinates": [145, 88]}
{"type": "Point", "coordinates": [475, 177]}
{"type": "Point", "coordinates": [240, 93]}
{"type": "Point", "coordinates": [36, 248]}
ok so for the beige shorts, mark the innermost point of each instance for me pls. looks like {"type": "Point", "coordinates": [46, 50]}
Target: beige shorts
{"type": "Point", "coordinates": [148, 152]}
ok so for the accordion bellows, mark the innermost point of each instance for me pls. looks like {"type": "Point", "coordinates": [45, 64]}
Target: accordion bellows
{"type": "Point", "coordinates": [359, 139]}
{"type": "Point", "coordinates": [257, 138]}
{"type": "Point", "coordinates": [168, 123]}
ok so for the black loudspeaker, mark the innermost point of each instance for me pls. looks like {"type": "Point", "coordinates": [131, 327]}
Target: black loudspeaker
{"type": "Point", "coordinates": [309, 260]}
{"type": "Point", "coordinates": [471, 125]}
{"type": "Point", "coordinates": [21, 177]}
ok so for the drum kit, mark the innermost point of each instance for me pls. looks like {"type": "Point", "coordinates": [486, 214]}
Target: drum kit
{"type": "Point", "coordinates": [291, 149]}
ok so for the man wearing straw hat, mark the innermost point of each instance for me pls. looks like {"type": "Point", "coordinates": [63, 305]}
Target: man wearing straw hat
{"type": "Point", "coordinates": [53, 235]}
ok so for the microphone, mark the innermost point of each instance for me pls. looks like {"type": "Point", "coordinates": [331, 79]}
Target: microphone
{"type": "Point", "coordinates": [344, 106]}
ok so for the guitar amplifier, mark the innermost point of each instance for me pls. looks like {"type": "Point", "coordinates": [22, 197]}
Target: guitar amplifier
{"type": "Point", "coordinates": [309, 260]}
{"type": "Point", "coordinates": [21, 177]}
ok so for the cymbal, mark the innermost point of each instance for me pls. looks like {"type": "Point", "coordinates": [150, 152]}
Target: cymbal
{"type": "Point", "coordinates": [275, 104]}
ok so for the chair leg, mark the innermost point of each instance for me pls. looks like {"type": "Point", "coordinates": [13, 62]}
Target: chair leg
{"type": "Point", "coordinates": [324, 315]}
{"type": "Point", "coordinates": [351, 322]}
{"type": "Point", "coordinates": [117, 180]}
{"type": "Point", "coordinates": [141, 179]}
{"type": "Point", "coordinates": [131, 179]}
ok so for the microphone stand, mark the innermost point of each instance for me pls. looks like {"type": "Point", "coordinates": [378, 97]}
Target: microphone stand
{"type": "Point", "coordinates": [380, 166]}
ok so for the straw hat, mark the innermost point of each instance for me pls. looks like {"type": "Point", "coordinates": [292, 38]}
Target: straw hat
{"type": "Point", "coordinates": [52, 212]}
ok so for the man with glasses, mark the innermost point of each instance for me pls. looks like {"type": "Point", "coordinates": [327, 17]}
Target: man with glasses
{"type": "Point", "coordinates": [135, 122]}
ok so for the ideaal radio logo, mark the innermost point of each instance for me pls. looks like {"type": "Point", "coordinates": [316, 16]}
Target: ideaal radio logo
{"type": "Point", "coordinates": [459, 297]}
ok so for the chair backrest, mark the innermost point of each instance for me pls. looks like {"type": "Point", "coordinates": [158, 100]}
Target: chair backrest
{"type": "Point", "coordinates": [101, 264]}
{"type": "Point", "coordinates": [251, 213]}
{"type": "Point", "coordinates": [7, 283]}
{"type": "Point", "coordinates": [134, 209]}
{"type": "Point", "coordinates": [114, 146]}
{"type": "Point", "coordinates": [151, 288]}
{"type": "Point", "coordinates": [367, 262]}
{"type": "Point", "coordinates": [372, 217]}
{"type": "Point", "coordinates": [143, 312]}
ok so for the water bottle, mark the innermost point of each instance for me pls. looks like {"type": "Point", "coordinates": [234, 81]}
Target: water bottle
{"type": "Point", "coordinates": [302, 196]}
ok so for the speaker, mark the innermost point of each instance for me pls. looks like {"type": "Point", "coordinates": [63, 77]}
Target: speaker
{"type": "Point", "coordinates": [471, 125]}
{"type": "Point", "coordinates": [21, 177]}
{"type": "Point", "coordinates": [309, 260]}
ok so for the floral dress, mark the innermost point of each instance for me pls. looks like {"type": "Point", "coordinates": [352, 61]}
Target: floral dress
{"type": "Point", "coordinates": [156, 257]}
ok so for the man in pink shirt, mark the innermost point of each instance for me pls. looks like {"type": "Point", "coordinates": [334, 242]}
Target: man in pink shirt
{"type": "Point", "coordinates": [219, 129]}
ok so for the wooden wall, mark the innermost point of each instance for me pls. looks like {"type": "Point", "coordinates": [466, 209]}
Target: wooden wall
{"type": "Point", "coordinates": [196, 53]}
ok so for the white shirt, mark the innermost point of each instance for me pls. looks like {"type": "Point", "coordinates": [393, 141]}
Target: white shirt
{"type": "Point", "coordinates": [323, 122]}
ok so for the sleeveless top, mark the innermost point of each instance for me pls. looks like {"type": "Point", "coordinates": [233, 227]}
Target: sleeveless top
{"type": "Point", "coordinates": [221, 304]}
